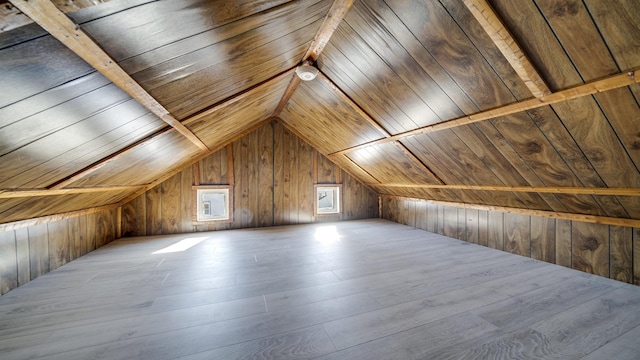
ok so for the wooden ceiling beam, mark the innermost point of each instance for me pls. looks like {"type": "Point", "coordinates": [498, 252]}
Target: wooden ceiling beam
{"type": "Point", "coordinates": [288, 93]}
{"type": "Point", "coordinates": [502, 38]}
{"type": "Point", "coordinates": [334, 17]}
{"type": "Point", "coordinates": [54, 21]}
{"type": "Point", "coordinates": [590, 88]}
{"type": "Point", "coordinates": [541, 213]}
{"type": "Point", "coordinates": [525, 189]}
{"type": "Point", "coordinates": [21, 193]}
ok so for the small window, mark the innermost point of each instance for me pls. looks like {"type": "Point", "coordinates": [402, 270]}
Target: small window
{"type": "Point", "coordinates": [327, 199]}
{"type": "Point", "coordinates": [212, 203]}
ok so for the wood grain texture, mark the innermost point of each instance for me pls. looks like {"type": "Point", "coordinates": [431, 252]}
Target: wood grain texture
{"type": "Point", "coordinates": [563, 242]}
{"type": "Point", "coordinates": [517, 234]}
{"type": "Point", "coordinates": [491, 23]}
{"type": "Point", "coordinates": [8, 262]}
{"type": "Point", "coordinates": [590, 248]}
{"type": "Point", "coordinates": [621, 253]}
{"type": "Point", "coordinates": [636, 256]}
{"type": "Point", "coordinates": [594, 248]}
{"type": "Point", "coordinates": [543, 239]}
{"type": "Point", "coordinates": [274, 185]}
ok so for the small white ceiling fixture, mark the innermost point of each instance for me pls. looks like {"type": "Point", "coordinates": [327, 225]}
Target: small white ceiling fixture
{"type": "Point", "coordinates": [306, 72]}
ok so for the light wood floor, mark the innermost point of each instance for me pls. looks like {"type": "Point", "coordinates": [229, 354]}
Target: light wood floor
{"type": "Point", "coordinates": [367, 289]}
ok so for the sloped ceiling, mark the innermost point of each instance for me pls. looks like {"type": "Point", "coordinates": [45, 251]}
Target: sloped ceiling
{"type": "Point", "coordinates": [414, 98]}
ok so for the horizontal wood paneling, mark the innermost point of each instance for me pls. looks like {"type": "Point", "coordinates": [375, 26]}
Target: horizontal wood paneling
{"type": "Point", "coordinates": [273, 172]}
{"type": "Point", "coordinates": [27, 253]}
{"type": "Point", "coordinates": [605, 250]}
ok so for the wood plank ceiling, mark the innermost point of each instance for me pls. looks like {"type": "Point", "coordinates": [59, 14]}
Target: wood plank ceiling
{"type": "Point", "coordinates": [530, 104]}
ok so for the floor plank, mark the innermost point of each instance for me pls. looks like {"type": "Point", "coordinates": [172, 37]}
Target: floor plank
{"type": "Point", "coordinates": [373, 289]}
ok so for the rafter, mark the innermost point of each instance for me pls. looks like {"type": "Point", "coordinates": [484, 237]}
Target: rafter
{"type": "Point", "coordinates": [590, 88]}
{"type": "Point", "coordinates": [47, 15]}
{"type": "Point", "coordinates": [525, 189]}
{"type": "Point", "coordinates": [21, 193]}
{"type": "Point", "coordinates": [336, 14]}
{"type": "Point", "coordinates": [508, 46]}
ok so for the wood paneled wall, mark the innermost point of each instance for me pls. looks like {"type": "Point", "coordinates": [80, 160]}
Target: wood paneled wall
{"type": "Point", "coordinates": [29, 252]}
{"type": "Point", "coordinates": [604, 250]}
{"type": "Point", "coordinates": [274, 173]}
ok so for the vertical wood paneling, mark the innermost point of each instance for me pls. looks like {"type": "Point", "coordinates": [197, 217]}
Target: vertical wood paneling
{"type": "Point", "coordinates": [27, 253]}
{"type": "Point", "coordinates": [621, 253]}
{"type": "Point", "coordinates": [58, 243]}
{"type": "Point", "coordinates": [450, 221]}
{"type": "Point", "coordinates": [278, 174]}
{"type": "Point", "coordinates": [8, 262]}
{"type": "Point", "coordinates": [274, 177]}
{"type": "Point", "coordinates": [170, 205]}
{"type": "Point", "coordinates": [141, 215]}
{"type": "Point", "coordinates": [129, 215]}
{"type": "Point", "coordinates": [186, 199]}
{"type": "Point", "coordinates": [609, 251]}
{"type": "Point", "coordinates": [421, 215]}
{"type": "Point", "coordinates": [251, 166]}
{"type": "Point", "coordinates": [563, 242]}
{"type": "Point", "coordinates": [305, 182]}
{"type": "Point", "coordinates": [517, 234]}
{"type": "Point", "coordinates": [432, 217]}
{"type": "Point", "coordinates": [22, 256]}
{"type": "Point", "coordinates": [38, 250]}
{"type": "Point", "coordinates": [483, 227]}
{"type": "Point", "coordinates": [636, 256]}
{"type": "Point", "coordinates": [92, 226]}
{"type": "Point", "coordinates": [590, 248]}
{"type": "Point", "coordinates": [472, 219]}
{"type": "Point", "coordinates": [462, 224]}
{"type": "Point", "coordinates": [543, 239]}
{"type": "Point", "coordinates": [75, 238]}
{"type": "Point", "coordinates": [440, 220]}
{"type": "Point", "coordinates": [496, 230]}
{"type": "Point", "coordinates": [265, 176]}
{"type": "Point", "coordinates": [153, 209]}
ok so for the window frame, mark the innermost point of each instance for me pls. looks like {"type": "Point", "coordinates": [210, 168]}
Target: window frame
{"type": "Point", "coordinates": [316, 189]}
{"type": "Point", "coordinates": [196, 205]}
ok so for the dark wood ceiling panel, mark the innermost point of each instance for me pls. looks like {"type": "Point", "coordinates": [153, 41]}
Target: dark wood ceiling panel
{"type": "Point", "coordinates": [583, 117]}
{"type": "Point", "coordinates": [325, 120]}
{"type": "Point", "coordinates": [54, 157]}
{"type": "Point", "coordinates": [28, 208]}
{"type": "Point", "coordinates": [144, 163]}
{"type": "Point", "coordinates": [216, 127]}
{"type": "Point", "coordinates": [387, 163]}
{"type": "Point", "coordinates": [35, 66]}
{"type": "Point", "coordinates": [154, 24]}
{"type": "Point", "coordinates": [219, 50]}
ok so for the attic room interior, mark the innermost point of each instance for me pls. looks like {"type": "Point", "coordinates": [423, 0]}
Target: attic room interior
{"type": "Point", "coordinates": [319, 179]}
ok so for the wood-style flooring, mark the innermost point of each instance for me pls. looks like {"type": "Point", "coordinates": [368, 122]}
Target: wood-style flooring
{"type": "Point", "coordinates": [368, 289]}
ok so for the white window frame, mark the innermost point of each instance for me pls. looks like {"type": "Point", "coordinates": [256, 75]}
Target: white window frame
{"type": "Point", "coordinates": [199, 205]}
{"type": "Point", "coordinates": [336, 193]}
